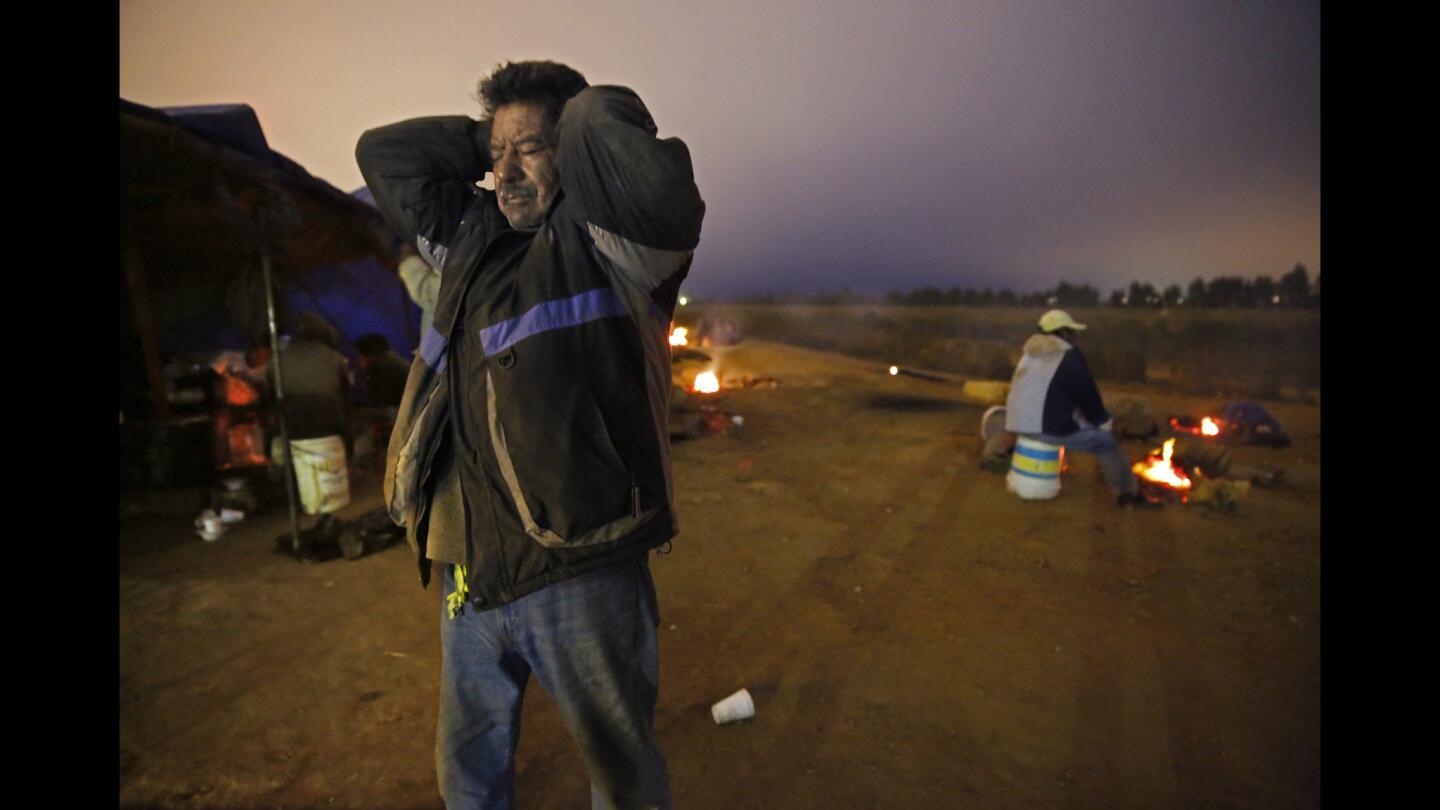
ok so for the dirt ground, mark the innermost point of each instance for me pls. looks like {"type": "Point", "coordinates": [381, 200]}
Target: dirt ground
{"type": "Point", "coordinates": [914, 635]}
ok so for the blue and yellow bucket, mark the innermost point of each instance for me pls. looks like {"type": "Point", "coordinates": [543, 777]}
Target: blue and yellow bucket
{"type": "Point", "coordinates": [1035, 469]}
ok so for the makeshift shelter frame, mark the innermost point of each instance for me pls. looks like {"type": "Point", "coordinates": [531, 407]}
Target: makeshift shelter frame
{"type": "Point", "coordinates": [340, 227]}
{"type": "Point", "coordinates": [291, 485]}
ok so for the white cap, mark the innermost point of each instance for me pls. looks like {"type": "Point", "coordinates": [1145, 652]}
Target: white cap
{"type": "Point", "coordinates": [1058, 319]}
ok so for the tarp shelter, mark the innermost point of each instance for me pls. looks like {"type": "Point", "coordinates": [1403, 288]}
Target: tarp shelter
{"type": "Point", "coordinates": [212, 223]}
{"type": "Point", "coordinates": [201, 193]}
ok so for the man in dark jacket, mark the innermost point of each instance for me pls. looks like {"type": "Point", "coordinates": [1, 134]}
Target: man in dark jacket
{"type": "Point", "coordinates": [1053, 399]}
{"type": "Point", "coordinates": [530, 456]}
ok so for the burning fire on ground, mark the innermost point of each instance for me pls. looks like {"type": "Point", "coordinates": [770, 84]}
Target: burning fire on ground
{"type": "Point", "coordinates": [677, 336]}
{"type": "Point", "coordinates": [1207, 426]}
{"type": "Point", "coordinates": [1157, 470]}
{"type": "Point", "coordinates": [706, 382]}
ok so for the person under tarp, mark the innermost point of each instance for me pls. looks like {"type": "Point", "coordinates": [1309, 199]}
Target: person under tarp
{"type": "Point", "coordinates": [318, 413]}
{"type": "Point", "coordinates": [382, 371]}
{"type": "Point", "coordinates": [382, 385]}
{"type": "Point", "coordinates": [245, 398]}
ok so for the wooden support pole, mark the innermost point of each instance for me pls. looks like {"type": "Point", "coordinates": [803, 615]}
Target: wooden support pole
{"type": "Point", "coordinates": [276, 365]}
{"type": "Point", "coordinates": [145, 329]}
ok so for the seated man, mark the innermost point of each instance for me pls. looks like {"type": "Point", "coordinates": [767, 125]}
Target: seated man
{"type": "Point", "coordinates": [1053, 399]}
{"type": "Point", "coordinates": [382, 371]}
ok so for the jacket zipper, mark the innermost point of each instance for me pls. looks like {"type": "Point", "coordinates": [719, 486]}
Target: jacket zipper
{"type": "Point", "coordinates": [506, 582]}
{"type": "Point", "coordinates": [477, 456]}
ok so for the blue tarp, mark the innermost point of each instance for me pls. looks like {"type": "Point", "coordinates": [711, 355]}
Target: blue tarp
{"type": "Point", "coordinates": [234, 125]}
{"type": "Point", "coordinates": [356, 297]}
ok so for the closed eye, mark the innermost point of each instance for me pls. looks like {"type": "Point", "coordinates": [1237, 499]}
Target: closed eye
{"type": "Point", "coordinates": [529, 146]}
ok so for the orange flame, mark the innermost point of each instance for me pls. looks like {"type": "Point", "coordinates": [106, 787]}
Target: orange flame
{"type": "Point", "coordinates": [677, 336]}
{"type": "Point", "coordinates": [238, 391]}
{"type": "Point", "coordinates": [1209, 426]}
{"type": "Point", "coordinates": [706, 382]}
{"type": "Point", "coordinates": [1160, 470]}
{"type": "Point", "coordinates": [245, 442]}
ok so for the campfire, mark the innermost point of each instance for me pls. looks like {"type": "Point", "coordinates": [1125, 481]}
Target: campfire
{"type": "Point", "coordinates": [1206, 426]}
{"type": "Point", "coordinates": [677, 336]}
{"type": "Point", "coordinates": [706, 382]}
{"type": "Point", "coordinates": [1157, 473]}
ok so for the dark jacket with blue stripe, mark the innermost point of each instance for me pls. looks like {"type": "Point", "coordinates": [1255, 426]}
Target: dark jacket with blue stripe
{"type": "Point", "coordinates": [1052, 390]}
{"type": "Point", "coordinates": [566, 360]}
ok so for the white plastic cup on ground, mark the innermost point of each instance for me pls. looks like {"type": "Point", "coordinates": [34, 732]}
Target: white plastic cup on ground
{"type": "Point", "coordinates": [209, 525]}
{"type": "Point", "coordinates": [739, 706]}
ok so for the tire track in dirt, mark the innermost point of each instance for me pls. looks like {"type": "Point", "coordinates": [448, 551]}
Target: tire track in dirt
{"type": "Point", "coordinates": [221, 673]}
{"type": "Point", "coordinates": [1153, 684]}
{"type": "Point", "coordinates": [859, 554]}
{"type": "Point", "coordinates": [1192, 763]}
{"type": "Point", "coordinates": [1229, 757]}
{"type": "Point", "coordinates": [1098, 691]}
{"type": "Point", "coordinates": [1106, 775]}
{"type": "Point", "coordinates": [823, 595]}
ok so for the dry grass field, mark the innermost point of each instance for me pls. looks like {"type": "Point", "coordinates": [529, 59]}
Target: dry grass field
{"type": "Point", "coordinates": [1270, 354]}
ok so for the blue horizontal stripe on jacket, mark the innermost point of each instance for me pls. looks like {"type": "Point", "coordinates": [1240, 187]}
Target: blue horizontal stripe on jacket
{"type": "Point", "coordinates": [591, 305]}
{"type": "Point", "coordinates": [432, 349]}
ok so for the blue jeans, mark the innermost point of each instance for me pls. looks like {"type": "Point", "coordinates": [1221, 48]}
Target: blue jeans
{"type": "Point", "coordinates": [591, 643]}
{"type": "Point", "coordinates": [1101, 443]}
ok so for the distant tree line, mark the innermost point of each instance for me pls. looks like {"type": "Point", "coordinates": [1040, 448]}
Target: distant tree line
{"type": "Point", "coordinates": [1292, 291]}
{"type": "Point", "coordinates": [1065, 294]}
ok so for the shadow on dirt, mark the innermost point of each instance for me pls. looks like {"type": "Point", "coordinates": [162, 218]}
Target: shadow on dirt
{"type": "Point", "coordinates": [913, 404]}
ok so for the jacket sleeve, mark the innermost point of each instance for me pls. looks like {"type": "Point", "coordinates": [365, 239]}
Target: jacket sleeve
{"type": "Point", "coordinates": [422, 174]}
{"type": "Point", "coordinates": [1076, 372]}
{"type": "Point", "coordinates": [635, 192]}
{"type": "Point", "coordinates": [421, 280]}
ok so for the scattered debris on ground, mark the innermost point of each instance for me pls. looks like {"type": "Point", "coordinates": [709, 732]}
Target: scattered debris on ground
{"type": "Point", "coordinates": [333, 537]}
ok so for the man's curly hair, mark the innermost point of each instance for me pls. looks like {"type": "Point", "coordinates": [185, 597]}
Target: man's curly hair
{"type": "Point", "coordinates": [549, 84]}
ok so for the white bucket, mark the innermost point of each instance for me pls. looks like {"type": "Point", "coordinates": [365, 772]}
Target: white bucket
{"type": "Point", "coordinates": [320, 474]}
{"type": "Point", "coordinates": [1035, 469]}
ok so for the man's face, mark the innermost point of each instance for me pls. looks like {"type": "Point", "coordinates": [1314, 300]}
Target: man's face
{"type": "Point", "coordinates": [523, 150]}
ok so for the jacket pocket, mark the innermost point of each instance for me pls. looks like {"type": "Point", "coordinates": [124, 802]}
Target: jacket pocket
{"type": "Point", "coordinates": [406, 478]}
{"type": "Point", "coordinates": [570, 486]}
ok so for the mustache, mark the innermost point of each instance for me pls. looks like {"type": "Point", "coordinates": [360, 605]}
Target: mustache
{"type": "Point", "coordinates": [516, 190]}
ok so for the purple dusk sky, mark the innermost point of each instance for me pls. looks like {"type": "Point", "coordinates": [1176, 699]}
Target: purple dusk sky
{"type": "Point", "coordinates": [1003, 143]}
